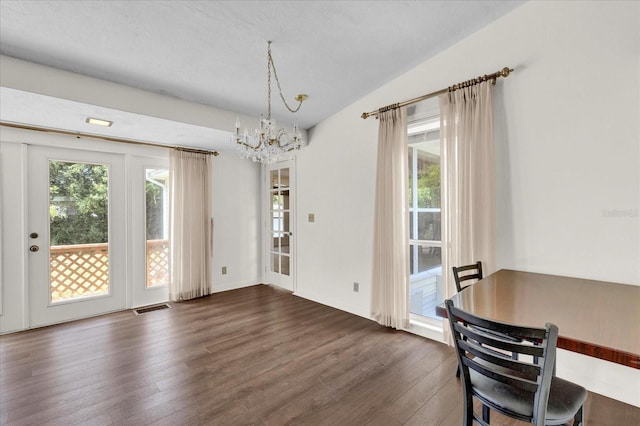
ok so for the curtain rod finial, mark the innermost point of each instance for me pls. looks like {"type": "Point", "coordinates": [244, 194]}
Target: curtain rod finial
{"type": "Point", "coordinates": [365, 115]}
{"type": "Point", "coordinates": [506, 71]}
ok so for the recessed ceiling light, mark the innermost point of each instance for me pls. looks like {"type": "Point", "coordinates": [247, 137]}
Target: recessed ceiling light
{"type": "Point", "coordinates": [99, 122]}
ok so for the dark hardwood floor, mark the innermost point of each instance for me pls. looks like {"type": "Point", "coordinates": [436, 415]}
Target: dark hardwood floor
{"type": "Point", "coordinates": [257, 355]}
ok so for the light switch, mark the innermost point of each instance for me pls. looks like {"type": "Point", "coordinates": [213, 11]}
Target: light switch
{"type": "Point", "coordinates": [312, 217]}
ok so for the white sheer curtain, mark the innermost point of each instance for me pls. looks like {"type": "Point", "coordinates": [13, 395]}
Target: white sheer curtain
{"type": "Point", "coordinates": [468, 204]}
{"type": "Point", "coordinates": [390, 282]}
{"type": "Point", "coordinates": [191, 225]}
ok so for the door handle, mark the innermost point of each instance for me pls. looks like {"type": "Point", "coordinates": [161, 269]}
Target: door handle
{"type": "Point", "coordinates": [34, 248]}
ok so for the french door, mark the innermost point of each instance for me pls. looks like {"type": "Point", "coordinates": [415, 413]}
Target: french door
{"type": "Point", "coordinates": [149, 235]}
{"type": "Point", "coordinates": [280, 220]}
{"type": "Point", "coordinates": [77, 234]}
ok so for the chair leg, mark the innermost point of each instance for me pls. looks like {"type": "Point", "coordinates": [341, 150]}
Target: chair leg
{"type": "Point", "coordinates": [577, 419]}
{"type": "Point", "coordinates": [469, 415]}
{"type": "Point", "coordinates": [485, 414]}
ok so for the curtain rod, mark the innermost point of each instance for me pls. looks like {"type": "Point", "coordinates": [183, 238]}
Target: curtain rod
{"type": "Point", "coordinates": [502, 73]}
{"type": "Point", "coordinates": [106, 138]}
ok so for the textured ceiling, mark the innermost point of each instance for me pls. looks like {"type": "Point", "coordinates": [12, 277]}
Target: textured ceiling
{"type": "Point", "coordinates": [214, 52]}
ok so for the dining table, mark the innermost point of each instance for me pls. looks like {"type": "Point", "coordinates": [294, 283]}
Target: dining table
{"type": "Point", "coordinates": [595, 318]}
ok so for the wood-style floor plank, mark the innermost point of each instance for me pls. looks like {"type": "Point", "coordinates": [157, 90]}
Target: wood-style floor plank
{"type": "Point", "coordinates": [253, 356]}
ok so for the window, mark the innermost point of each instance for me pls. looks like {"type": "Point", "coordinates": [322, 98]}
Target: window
{"type": "Point", "coordinates": [425, 215]}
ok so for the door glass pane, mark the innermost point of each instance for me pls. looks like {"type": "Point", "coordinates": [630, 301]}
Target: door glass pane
{"type": "Point", "coordinates": [285, 222]}
{"type": "Point", "coordinates": [284, 243]}
{"type": "Point", "coordinates": [276, 221]}
{"type": "Point", "coordinates": [429, 225]}
{"type": "Point", "coordinates": [157, 226]}
{"type": "Point", "coordinates": [428, 175]}
{"type": "Point", "coordinates": [275, 263]}
{"type": "Point", "coordinates": [276, 201]}
{"type": "Point", "coordinates": [284, 178]}
{"type": "Point", "coordinates": [285, 265]}
{"type": "Point", "coordinates": [275, 242]}
{"type": "Point", "coordinates": [78, 230]}
{"type": "Point", "coordinates": [273, 179]}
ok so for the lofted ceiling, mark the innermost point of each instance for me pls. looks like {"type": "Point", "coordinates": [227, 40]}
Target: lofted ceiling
{"type": "Point", "coordinates": [214, 53]}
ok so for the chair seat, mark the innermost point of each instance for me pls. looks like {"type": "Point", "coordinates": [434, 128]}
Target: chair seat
{"type": "Point", "coordinates": [565, 398]}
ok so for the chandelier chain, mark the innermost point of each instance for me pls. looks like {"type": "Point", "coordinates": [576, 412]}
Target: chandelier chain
{"type": "Point", "coordinates": [271, 65]}
{"type": "Point", "coordinates": [269, 62]}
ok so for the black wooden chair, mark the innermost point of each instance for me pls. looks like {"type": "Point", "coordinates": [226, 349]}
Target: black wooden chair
{"type": "Point", "coordinates": [461, 274]}
{"type": "Point", "coordinates": [464, 274]}
{"type": "Point", "coordinates": [522, 389]}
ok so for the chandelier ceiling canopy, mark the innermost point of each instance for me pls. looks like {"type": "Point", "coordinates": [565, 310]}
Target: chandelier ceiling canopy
{"type": "Point", "coordinates": [267, 143]}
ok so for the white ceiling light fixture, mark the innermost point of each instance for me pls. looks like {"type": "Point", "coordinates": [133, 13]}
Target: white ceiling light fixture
{"type": "Point", "coordinates": [266, 143]}
{"type": "Point", "coordinates": [99, 122]}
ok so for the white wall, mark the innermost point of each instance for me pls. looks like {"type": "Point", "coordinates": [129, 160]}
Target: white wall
{"type": "Point", "coordinates": [567, 147]}
{"type": "Point", "coordinates": [236, 215]}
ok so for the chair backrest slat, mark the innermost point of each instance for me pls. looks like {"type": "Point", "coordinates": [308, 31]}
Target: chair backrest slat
{"type": "Point", "coordinates": [500, 359]}
{"type": "Point", "coordinates": [479, 334]}
{"type": "Point", "coordinates": [514, 381]}
{"type": "Point", "coordinates": [459, 278]}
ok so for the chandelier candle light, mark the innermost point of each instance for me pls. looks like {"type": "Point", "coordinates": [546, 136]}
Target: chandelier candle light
{"type": "Point", "coordinates": [266, 143]}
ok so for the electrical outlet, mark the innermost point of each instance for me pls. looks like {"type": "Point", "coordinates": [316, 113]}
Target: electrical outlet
{"type": "Point", "coordinates": [224, 270]}
{"type": "Point", "coordinates": [356, 287]}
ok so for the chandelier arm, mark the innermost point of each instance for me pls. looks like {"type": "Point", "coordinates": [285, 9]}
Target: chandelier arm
{"type": "Point", "coordinates": [248, 145]}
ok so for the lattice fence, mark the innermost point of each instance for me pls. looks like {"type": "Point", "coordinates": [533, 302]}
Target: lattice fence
{"type": "Point", "coordinates": [157, 262]}
{"type": "Point", "coordinates": [83, 270]}
{"type": "Point", "coordinates": [79, 270]}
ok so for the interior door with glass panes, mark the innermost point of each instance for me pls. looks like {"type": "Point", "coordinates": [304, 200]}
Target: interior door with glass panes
{"type": "Point", "coordinates": [280, 263]}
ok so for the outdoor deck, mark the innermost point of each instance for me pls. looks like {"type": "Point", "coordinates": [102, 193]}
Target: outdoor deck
{"type": "Point", "coordinates": [426, 292]}
{"type": "Point", "coordinates": [83, 270]}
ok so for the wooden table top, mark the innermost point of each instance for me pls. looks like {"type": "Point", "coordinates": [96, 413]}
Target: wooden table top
{"type": "Point", "coordinates": [595, 318]}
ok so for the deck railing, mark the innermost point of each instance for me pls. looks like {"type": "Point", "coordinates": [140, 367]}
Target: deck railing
{"type": "Point", "coordinates": [82, 270]}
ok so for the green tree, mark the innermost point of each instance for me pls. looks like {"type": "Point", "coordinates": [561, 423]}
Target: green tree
{"type": "Point", "coordinates": [428, 186]}
{"type": "Point", "coordinates": [78, 203]}
{"type": "Point", "coordinates": [154, 211]}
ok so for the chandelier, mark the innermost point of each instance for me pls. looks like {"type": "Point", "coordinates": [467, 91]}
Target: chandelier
{"type": "Point", "coordinates": [266, 143]}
